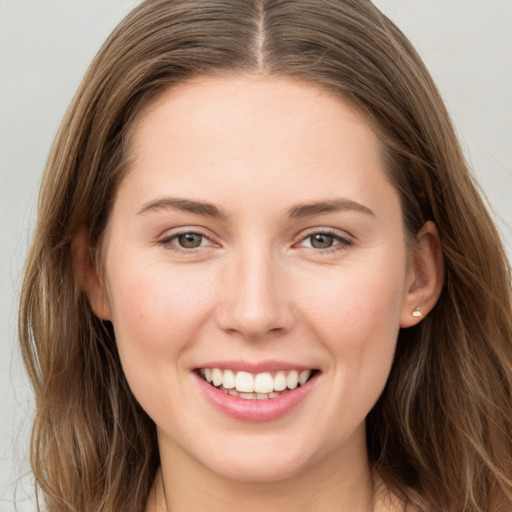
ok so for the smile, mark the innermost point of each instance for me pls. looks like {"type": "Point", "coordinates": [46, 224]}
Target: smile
{"type": "Point", "coordinates": [255, 386]}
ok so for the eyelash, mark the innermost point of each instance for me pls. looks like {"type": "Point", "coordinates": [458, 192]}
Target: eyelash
{"type": "Point", "coordinates": [343, 243]}
{"type": "Point", "coordinates": [167, 241]}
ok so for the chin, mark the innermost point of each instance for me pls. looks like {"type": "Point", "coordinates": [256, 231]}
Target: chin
{"type": "Point", "coordinates": [264, 460]}
{"type": "Point", "coordinates": [253, 471]}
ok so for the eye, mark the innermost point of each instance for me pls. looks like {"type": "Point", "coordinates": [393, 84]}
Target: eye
{"type": "Point", "coordinates": [185, 241]}
{"type": "Point", "coordinates": [189, 240]}
{"type": "Point", "coordinates": [323, 240]}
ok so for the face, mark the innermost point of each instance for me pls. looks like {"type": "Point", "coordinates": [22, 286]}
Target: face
{"type": "Point", "coordinates": [256, 241]}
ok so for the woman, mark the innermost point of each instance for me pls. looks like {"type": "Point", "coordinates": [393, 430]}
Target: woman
{"type": "Point", "coordinates": [262, 276]}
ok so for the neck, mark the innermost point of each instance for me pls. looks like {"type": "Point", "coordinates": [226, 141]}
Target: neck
{"type": "Point", "coordinates": [338, 482]}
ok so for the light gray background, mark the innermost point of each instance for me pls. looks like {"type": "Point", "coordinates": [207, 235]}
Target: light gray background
{"type": "Point", "coordinates": [45, 47]}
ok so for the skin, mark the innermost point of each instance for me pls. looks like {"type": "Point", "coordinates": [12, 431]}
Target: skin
{"type": "Point", "coordinates": [257, 289]}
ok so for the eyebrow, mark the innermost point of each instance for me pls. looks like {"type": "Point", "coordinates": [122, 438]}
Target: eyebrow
{"type": "Point", "coordinates": [206, 209]}
{"type": "Point", "coordinates": [329, 206]}
{"type": "Point", "coordinates": [198, 207]}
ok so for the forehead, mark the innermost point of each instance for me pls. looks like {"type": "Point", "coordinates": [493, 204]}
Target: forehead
{"type": "Point", "coordinates": [258, 135]}
{"type": "Point", "coordinates": [248, 102]}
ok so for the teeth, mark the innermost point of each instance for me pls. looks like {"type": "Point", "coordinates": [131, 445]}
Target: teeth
{"type": "Point", "coordinates": [280, 381]}
{"type": "Point", "coordinates": [217, 377]}
{"type": "Point", "coordinates": [259, 386]}
{"type": "Point", "coordinates": [292, 380]}
{"type": "Point", "coordinates": [304, 376]}
{"type": "Point", "coordinates": [244, 382]}
{"type": "Point", "coordinates": [228, 380]}
{"type": "Point", "coordinates": [263, 383]}
{"type": "Point", "coordinates": [247, 396]}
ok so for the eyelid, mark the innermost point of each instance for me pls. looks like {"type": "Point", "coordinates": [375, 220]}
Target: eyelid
{"type": "Point", "coordinates": [343, 238]}
{"type": "Point", "coordinates": [169, 235]}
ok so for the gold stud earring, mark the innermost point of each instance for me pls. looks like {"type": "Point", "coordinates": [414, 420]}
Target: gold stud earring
{"type": "Point", "coordinates": [416, 313]}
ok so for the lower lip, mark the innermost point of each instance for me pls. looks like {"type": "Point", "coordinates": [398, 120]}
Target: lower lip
{"type": "Point", "coordinates": [255, 410]}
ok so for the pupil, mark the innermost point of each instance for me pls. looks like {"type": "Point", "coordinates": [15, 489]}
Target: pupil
{"type": "Point", "coordinates": [322, 241]}
{"type": "Point", "coordinates": [190, 240]}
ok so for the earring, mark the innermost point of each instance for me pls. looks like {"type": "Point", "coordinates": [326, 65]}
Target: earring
{"type": "Point", "coordinates": [416, 313]}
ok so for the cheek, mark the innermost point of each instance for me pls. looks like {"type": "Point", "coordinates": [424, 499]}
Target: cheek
{"type": "Point", "coordinates": [358, 323]}
{"type": "Point", "coordinates": [365, 302]}
{"type": "Point", "coordinates": [156, 311]}
{"type": "Point", "coordinates": [356, 315]}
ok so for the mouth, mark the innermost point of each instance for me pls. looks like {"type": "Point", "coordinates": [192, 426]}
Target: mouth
{"type": "Point", "coordinates": [255, 386]}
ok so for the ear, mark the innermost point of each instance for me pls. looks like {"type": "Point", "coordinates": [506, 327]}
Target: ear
{"type": "Point", "coordinates": [88, 276]}
{"type": "Point", "coordinates": [425, 276]}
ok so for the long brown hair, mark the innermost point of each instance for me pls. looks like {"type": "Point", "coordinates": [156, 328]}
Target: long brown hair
{"type": "Point", "coordinates": [441, 433]}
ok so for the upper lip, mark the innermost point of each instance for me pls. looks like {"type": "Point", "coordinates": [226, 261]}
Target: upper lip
{"type": "Point", "coordinates": [255, 367]}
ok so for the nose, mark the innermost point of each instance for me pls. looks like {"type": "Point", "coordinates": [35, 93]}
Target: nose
{"type": "Point", "coordinates": [254, 300]}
